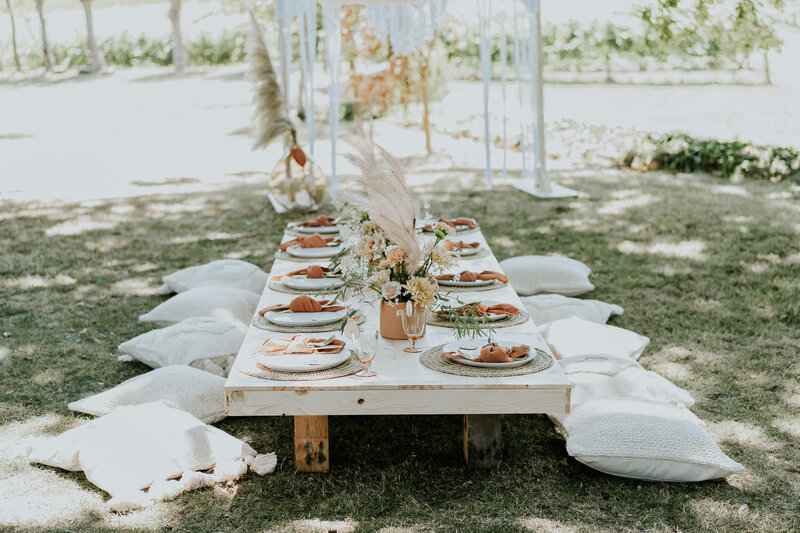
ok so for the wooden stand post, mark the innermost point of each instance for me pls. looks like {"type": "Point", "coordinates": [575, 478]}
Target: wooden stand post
{"type": "Point", "coordinates": [311, 443]}
{"type": "Point", "coordinates": [483, 442]}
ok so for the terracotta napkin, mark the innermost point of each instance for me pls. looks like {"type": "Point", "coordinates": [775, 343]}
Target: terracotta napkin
{"type": "Point", "coordinates": [468, 222]}
{"type": "Point", "coordinates": [313, 271]}
{"type": "Point", "coordinates": [314, 241]}
{"type": "Point", "coordinates": [494, 353]}
{"type": "Point", "coordinates": [321, 220]}
{"type": "Point", "coordinates": [482, 309]}
{"type": "Point", "coordinates": [468, 275]}
{"type": "Point", "coordinates": [299, 344]}
{"type": "Point", "coordinates": [460, 245]}
{"type": "Point", "coordinates": [304, 304]}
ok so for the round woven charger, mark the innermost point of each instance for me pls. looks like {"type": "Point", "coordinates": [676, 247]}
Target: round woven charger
{"type": "Point", "coordinates": [292, 231]}
{"type": "Point", "coordinates": [250, 367]}
{"type": "Point", "coordinates": [482, 252]}
{"type": "Point", "coordinates": [512, 320]}
{"type": "Point", "coordinates": [277, 286]}
{"type": "Point", "coordinates": [490, 287]}
{"type": "Point", "coordinates": [262, 323]}
{"type": "Point", "coordinates": [280, 254]}
{"type": "Point", "coordinates": [432, 358]}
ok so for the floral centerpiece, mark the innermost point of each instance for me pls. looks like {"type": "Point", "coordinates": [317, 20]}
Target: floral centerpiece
{"type": "Point", "coordinates": [384, 251]}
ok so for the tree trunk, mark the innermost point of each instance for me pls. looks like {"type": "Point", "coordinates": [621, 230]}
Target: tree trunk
{"type": "Point", "coordinates": [179, 56]}
{"type": "Point", "coordinates": [96, 59]}
{"type": "Point", "coordinates": [426, 123]}
{"type": "Point", "coordinates": [14, 36]}
{"type": "Point", "coordinates": [767, 77]}
{"type": "Point", "coordinates": [48, 56]}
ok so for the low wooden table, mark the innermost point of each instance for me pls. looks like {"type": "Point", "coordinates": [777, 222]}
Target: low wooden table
{"type": "Point", "coordinates": [403, 385]}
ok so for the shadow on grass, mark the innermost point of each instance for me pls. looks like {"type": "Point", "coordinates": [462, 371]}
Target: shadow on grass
{"type": "Point", "coordinates": [713, 318]}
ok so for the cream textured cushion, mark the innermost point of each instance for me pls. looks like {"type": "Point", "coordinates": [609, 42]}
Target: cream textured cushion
{"type": "Point", "coordinates": [545, 308]}
{"type": "Point", "coordinates": [574, 336]}
{"type": "Point", "coordinates": [222, 272]}
{"type": "Point", "coordinates": [183, 343]}
{"type": "Point", "coordinates": [645, 440]}
{"type": "Point", "coordinates": [195, 391]}
{"type": "Point", "coordinates": [228, 304]}
{"type": "Point", "coordinates": [532, 274]}
{"type": "Point", "coordinates": [605, 377]}
{"type": "Point", "coordinates": [155, 445]}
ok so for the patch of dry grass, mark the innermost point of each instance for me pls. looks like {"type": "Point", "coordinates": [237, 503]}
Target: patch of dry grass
{"type": "Point", "coordinates": [710, 277]}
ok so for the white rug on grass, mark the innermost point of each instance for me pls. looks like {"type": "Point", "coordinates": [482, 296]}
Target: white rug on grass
{"type": "Point", "coordinates": [195, 391]}
{"type": "Point", "coordinates": [220, 273]}
{"type": "Point", "coordinates": [150, 452]}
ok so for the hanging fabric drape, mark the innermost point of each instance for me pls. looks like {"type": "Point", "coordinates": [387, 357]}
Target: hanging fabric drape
{"type": "Point", "coordinates": [503, 78]}
{"type": "Point", "coordinates": [307, 29]}
{"type": "Point", "coordinates": [485, 13]}
{"type": "Point", "coordinates": [332, 24]}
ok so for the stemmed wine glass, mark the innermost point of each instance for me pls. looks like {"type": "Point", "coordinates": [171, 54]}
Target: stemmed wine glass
{"type": "Point", "coordinates": [365, 348]}
{"type": "Point", "coordinates": [413, 320]}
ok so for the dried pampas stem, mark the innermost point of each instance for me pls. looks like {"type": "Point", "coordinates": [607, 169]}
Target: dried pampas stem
{"type": "Point", "coordinates": [270, 117]}
{"type": "Point", "coordinates": [383, 194]}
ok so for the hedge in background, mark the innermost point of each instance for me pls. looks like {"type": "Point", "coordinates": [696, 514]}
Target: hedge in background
{"type": "Point", "coordinates": [683, 153]}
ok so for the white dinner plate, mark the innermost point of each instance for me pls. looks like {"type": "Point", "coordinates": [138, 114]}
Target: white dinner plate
{"type": "Point", "coordinates": [454, 283]}
{"type": "Point", "coordinates": [322, 230]}
{"type": "Point", "coordinates": [471, 349]}
{"type": "Point", "coordinates": [303, 283]}
{"type": "Point", "coordinates": [314, 253]}
{"type": "Point", "coordinates": [302, 362]}
{"type": "Point", "coordinates": [490, 318]}
{"type": "Point", "coordinates": [321, 318]}
{"type": "Point", "coordinates": [466, 252]}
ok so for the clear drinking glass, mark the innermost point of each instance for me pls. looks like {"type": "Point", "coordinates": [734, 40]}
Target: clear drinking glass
{"type": "Point", "coordinates": [365, 348]}
{"type": "Point", "coordinates": [413, 325]}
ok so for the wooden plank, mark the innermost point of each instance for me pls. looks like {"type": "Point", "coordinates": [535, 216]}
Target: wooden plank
{"type": "Point", "coordinates": [483, 441]}
{"type": "Point", "coordinates": [311, 443]}
{"type": "Point", "coordinates": [396, 402]}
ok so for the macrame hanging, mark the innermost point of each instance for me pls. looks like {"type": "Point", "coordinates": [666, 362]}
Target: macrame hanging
{"type": "Point", "coordinates": [332, 24]}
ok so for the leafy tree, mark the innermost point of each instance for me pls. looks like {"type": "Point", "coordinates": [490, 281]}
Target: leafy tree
{"type": "Point", "coordinates": [13, 35]}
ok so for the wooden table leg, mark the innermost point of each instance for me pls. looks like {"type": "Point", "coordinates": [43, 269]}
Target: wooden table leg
{"type": "Point", "coordinates": [483, 442]}
{"type": "Point", "coordinates": [311, 443]}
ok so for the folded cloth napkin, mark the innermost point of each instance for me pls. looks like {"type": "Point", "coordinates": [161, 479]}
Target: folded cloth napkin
{"type": "Point", "coordinates": [299, 344]}
{"type": "Point", "coordinates": [460, 245]}
{"type": "Point", "coordinates": [468, 222]}
{"type": "Point", "coordinates": [314, 241]}
{"type": "Point", "coordinates": [494, 353]}
{"type": "Point", "coordinates": [304, 304]}
{"type": "Point", "coordinates": [313, 271]}
{"type": "Point", "coordinates": [321, 220]}
{"type": "Point", "coordinates": [467, 275]}
{"type": "Point", "coordinates": [482, 309]}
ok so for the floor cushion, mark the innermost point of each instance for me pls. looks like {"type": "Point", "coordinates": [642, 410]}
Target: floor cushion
{"type": "Point", "coordinates": [644, 440]}
{"type": "Point", "coordinates": [545, 308]}
{"type": "Point", "coordinates": [228, 304]}
{"type": "Point", "coordinates": [222, 272]}
{"type": "Point", "coordinates": [575, 336]}
{"type": "Point", "coordinates": [605, 377]}
{"type": "Point", "coordinates": [190, 340]}
{"type": "Point", "coordinates": [534, 274]}
{"type": "Point", "coordinates": [195, 391]}
{"type": "Point", "coordinates": [154, 445]}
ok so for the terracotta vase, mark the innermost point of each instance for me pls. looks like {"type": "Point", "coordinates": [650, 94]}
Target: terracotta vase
{"type": "Point", "coordinates": [391, 323]}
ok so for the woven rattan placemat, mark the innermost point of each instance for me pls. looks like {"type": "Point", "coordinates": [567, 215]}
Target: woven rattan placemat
{"type": "Point", "coordinates": [432, 358]}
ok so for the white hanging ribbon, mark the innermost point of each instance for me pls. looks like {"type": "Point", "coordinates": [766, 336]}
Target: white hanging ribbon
{"type": "Point", "coordinates": [485, 14]}
{"type": "Point", "coordinates": [332, 24]}
{"type": "Point", "coordinates": [503, 61]}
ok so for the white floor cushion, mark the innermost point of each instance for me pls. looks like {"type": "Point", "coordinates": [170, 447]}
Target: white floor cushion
{"type": "Point", "coordinates": [222, 272]}
{"type": "Point", "coordinates": [155, 445]}
{"type": "Point", "coordinates": [645, 440]}
{"type": "Point", "coordinates": [183, 343]}
{"type": "Point", "coordinates": [228, 304]}
{"type": "Point", "coordinates": [545, 308]}
{"type": "Point", "coordinates": [574, 336]}
{"type": "Point", "coordinates": [195, 391]}
{"type": "Point", "coordinates": [605, 377]}
{"type": "Point", "coordinates": [533, 274]}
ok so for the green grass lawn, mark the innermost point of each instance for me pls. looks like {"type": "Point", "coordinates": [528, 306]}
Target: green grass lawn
{"type": "Point", "coordinates": [709, 271]}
